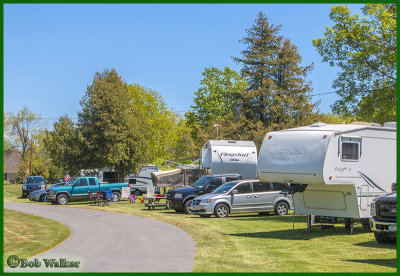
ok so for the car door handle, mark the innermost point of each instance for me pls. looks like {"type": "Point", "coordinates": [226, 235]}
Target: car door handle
{"type": "Point", "coordinates": [256, 196]}
{"type": "Point", "coordinates": [249, 196]}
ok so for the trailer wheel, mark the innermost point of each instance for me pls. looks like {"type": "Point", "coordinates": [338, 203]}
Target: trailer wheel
{"type": "Point", "coordinates": [281, 208]}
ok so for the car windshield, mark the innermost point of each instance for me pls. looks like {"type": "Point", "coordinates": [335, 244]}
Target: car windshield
{"type": "Point", "coordinates": [225, 188]}
{"type": "Point", "coordinates": [34, 180]}
{"type": "Point", "coordinates": [71, 181]}
{"type": "Point", "coordinates": [202, 181]}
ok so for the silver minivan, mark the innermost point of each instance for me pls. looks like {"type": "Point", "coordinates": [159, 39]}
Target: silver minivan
{"type": "Point", "coordinates": [243, 196]}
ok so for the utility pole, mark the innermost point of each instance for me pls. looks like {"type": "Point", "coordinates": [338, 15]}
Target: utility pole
{"type": "Point", "coordinates": [31, 152]}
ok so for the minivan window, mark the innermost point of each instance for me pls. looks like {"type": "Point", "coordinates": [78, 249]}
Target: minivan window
{"type": "Point", "coordinates": [260, 187]}
{"type": "Point", "coordinates": [243, 188]}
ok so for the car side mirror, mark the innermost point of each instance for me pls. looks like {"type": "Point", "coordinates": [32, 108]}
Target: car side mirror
{"type": "Point", "coordinates": [234, 192]}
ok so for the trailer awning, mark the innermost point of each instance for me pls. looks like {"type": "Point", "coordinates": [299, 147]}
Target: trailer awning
{"type": "Point", "coordinates": [167, 178]}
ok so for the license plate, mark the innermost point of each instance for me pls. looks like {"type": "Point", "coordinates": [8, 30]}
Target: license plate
{"type": "Point", "coordinates": [392, 228]}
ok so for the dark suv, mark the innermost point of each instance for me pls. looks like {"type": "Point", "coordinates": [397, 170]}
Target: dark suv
{"type": "Point", "coordinates": [32, 183]}
{"type": "Point", "coordinates": [383, 221]}
{"type": "Point", "coordinates": [179, 199]}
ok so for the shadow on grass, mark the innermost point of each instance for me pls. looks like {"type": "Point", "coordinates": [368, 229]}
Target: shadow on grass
{"type": "Point", "coordinates": [298, 234]}
{"type": "Point", "coordinates": [375, 244]}
{"type": "Point", "coordinates": [381, 262]}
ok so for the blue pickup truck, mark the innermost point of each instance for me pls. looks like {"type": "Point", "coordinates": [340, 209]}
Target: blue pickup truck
{"type": "Point", "coordinates": [78, 189]}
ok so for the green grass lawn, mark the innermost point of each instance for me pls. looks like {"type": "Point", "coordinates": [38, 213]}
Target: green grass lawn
{"type": "Point", "coordinates": [28, 235]}
{"type": "Point", "coordinates": [252, 243]}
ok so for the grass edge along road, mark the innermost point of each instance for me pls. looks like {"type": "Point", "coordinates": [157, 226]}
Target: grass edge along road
{"type": "Point", "coordinates": [252, 243]}
{"type": "Point", "coordinates": [26, 235]}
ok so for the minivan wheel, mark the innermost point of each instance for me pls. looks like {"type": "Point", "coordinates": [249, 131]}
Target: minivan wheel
{"type": "Point", "coordinates": [221, 211]}
{"type": "Point", "coordinates": [62, 199]}
{"type": "Point", "coordinates": [281, 208]}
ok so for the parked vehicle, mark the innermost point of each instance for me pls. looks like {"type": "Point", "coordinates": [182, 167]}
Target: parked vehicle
{"type": "Point", "coordinates": [333, 170]}
{"type": "Point", "coordinates": [243, 196]}
{"type": "Point", "coordinates": [228, 156]}
{"type": "Point", "coordinates": [383, 221]}
{"type": "Point", "coordinates": [78, 188]}
{"type": "Point", "coordinates": [180, 198]}
{"type": "Point", "coordinates": [32, 183]}
{"type": "Point", "coordinates": [40, 195]}
{"type": "Point", "coordinates": [142, 180]}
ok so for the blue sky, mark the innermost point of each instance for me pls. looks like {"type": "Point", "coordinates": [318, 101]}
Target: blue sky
{"type": "Point", "coordinates": [51, 52]}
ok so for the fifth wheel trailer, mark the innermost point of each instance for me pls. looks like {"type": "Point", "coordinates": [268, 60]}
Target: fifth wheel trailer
{"type": "Point", "coordinates": [334, 169]}
{"type": "Point", "coordinates": [228, 156]}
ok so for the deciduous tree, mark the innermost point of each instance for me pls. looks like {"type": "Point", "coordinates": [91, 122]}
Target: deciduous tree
{"type": "Point", "coordinates": [364, 48]}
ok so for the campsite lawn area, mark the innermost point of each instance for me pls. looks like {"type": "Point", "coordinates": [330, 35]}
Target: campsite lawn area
{"type": "Point", "coordinates": [27, 235]}
{"type": "Point", "coordinates": [252, 243]}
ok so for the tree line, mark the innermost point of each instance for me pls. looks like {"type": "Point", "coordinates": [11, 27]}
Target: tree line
{"type": "Point", "coordinates": [123, 126]}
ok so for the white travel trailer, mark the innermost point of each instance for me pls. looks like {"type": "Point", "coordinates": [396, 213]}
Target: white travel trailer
{"type": "Point", "coordinates": [227, 156]}
{"type": "Point", "coordinates": [334, 170]}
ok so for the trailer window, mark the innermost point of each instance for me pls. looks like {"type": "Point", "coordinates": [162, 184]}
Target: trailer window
{"type": "Point", "coordinates": [350, 151]}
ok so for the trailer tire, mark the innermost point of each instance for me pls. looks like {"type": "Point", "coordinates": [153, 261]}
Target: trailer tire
{"type": "Point", "coordinates": [62, 199]}
{"type": "Point", "coordinates": [281, 208]}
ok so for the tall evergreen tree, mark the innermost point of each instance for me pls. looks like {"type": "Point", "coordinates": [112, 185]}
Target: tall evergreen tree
{"type": "Point", "coordinates": [279, 93]}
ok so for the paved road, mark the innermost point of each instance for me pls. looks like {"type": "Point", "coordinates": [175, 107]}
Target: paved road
{"type": "Point", "coordinates": [111, 242]}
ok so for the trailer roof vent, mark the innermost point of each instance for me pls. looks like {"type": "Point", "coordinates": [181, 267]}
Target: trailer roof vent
{"type": "Point", "coordinates": [231, 141]}
{"type": "Point", "coordinates": [318, 124]}
{"type": "Point", "coordinates": [390, 124]}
